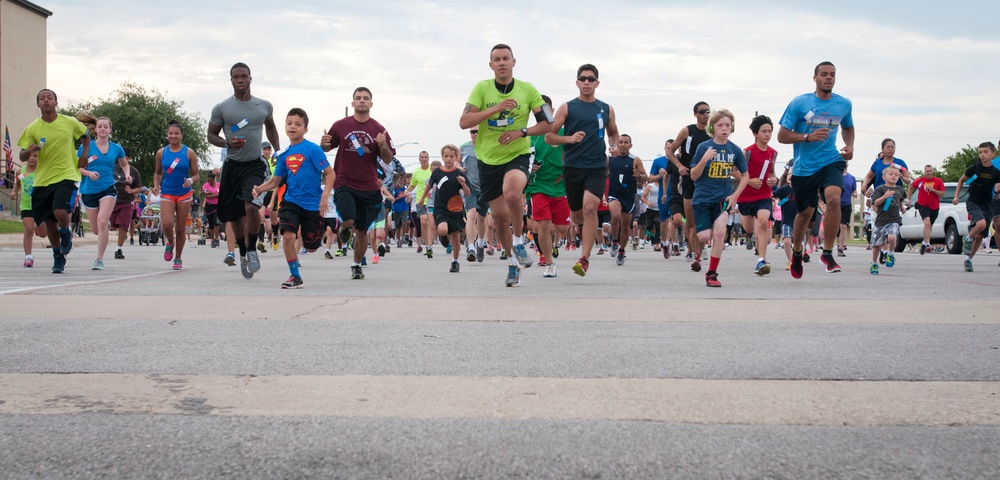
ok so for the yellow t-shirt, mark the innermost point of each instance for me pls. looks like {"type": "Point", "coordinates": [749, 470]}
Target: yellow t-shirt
{"type": "Point", "coordinates": [485, 95]}
{"type": "Point", "coordinates": [419, 178]}
{"type": "Point", "coordinates": [57, 160]}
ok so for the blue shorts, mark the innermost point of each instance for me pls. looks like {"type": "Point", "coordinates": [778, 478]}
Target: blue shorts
{"type": "Point", "coordinates": [705, 215]}
{"type": "Point", "coordinates": [93, 200]}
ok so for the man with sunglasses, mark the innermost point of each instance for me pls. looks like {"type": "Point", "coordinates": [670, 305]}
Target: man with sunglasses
{"type": "Point", "coordinates": [687, 141]}
{"type": "Point", "coordinates": [499, 108]}
{"type": "Point", "coordinates": [589, 123]}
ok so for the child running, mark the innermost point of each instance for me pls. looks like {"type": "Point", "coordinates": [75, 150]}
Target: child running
{"type": "Point", "coordinates": [304, 203]}
{"type": "Point", "coordinates": [450, 184]}
{"type": "Point", "coordinates": [887, 200]}
{"type": "Point", "coordinates": [755, 202]}
{"type": "Point", "coordinates": [711, 170]}
{"type": "Point", "coordinates": [24, 183]}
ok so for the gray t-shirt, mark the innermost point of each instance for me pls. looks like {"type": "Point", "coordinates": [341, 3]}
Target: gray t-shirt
{"type": "Point", "coordinates": [471, 164]}
{"type": "Point", "coordinates": [244, 119]}
{"type": "Point", "coordinates": [882, 216]}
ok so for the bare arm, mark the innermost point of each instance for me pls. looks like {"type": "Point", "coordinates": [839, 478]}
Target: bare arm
{"type": "Point", "coordinates": [612, 128]}
{"type": "Point", "coordinates": [553, 138]}
{"type": "Point", "coordinates": [213, 136]}
{"type": "Point", "coordinates": [679, 140]}
{"type": "Point", "coordinates": [272, 133]}
{"type": "Point", "coordinates": [81, 161]}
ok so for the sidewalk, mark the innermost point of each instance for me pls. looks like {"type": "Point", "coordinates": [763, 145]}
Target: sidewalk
{"type": "Point", "coordinates": [12, 241]}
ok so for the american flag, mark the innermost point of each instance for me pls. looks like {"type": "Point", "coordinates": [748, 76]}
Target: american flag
{"type": "Point", "coordinates": [8, 152]}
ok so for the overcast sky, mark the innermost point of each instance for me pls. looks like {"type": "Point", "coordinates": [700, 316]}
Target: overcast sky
{"type": "Point", "coordinates": [923, 73]}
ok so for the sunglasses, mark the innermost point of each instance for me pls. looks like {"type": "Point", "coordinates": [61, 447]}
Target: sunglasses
{"type": "Point", "coordinates": [704, 112]}
{"type": "Point", "coordinates": [590, 79]}
{"type": "Point", "coordinates": [474, 132]}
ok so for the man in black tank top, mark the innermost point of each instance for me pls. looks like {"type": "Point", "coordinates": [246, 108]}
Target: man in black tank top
{"type": "Point", "coordinates": [687, 141]}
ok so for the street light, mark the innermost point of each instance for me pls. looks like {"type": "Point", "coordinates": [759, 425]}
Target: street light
{"type": "Point", "coordinates": [406, 143]}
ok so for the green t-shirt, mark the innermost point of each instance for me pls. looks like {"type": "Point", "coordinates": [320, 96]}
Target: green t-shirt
{"type": "Point", "coordinates": [57, 160]}
{"type": "Point", "coordinates": [548, 179]}
{"type": "Point", "coordinates": [485, 95]}
{"type": "Point", "coordinates": [27, 180]}
{"type": "Point", "coordinates": [419, 178]}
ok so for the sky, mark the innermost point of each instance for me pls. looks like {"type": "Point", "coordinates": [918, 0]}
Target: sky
{"type": "Point", "coordinates": [918, 72]}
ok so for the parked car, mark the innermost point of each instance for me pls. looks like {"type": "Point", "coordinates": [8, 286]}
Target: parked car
{"type": "Point", "coordinates": [951, 225]}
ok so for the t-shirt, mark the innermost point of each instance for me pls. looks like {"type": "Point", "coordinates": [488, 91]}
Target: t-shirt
{"type": "Point", "coordinates": [448, 196]}
{"type": "Point", "coordinates": [878, 167]}
{"type": "Point", "coordinates": [850, 185]}
{"type": "Point", "coordinates": [208, 188]}
{"type": "Point", "coordinates": [715, 183]}
{"type": "Point", "coordinates": [27, 180]}
{"type": "Point", "coordinates": [757, 162]}
{"type": "Point", "coordinates": [924, 197]}
{"type": "Point", "coordinates": [661, 163]}
{"type": "Point", "coordinates": [56, 159]}
{"type": "Point", "coordinates": [120, 184]}
{"type": "Point", "coordinates": [484, 96]}
{"type": "Point", "coordinates": [176, 168]}
{"type": "Point", "coordinates": [104, 164]}
{"type": "Point", "coordinates": [245, 119]}
{"type": "Point", "coordinates": [590, 118]}
{"type": "Point", "coordinates": [548, 180]}
{"type": "Point", "coordinates": [807, 113]}
{"type": "Point", "coordinates": [419, 179]}
{"type": "Point", "coordinates": [981, 189]}
{"type": "Point", "coordinates": [786, 203]}
{"type": "Point", "coordinates": [302, 165]}
{"type": "Point", "coordinates": [891, 214]}
{"type": "Point", "coordinates": [471, 164]}
{"type": "Point", "coordinates": [400, 204]}
{"type": "Point", "coordinates": [621, 177]}
{"type": "Point", "coordinates": [358, 172]}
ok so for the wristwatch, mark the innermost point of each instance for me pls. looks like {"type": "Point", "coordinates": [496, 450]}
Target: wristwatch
{"type": "Point", "coordinates": [524, 132]}
{"type": "Point", "coordinates": [805, 138]}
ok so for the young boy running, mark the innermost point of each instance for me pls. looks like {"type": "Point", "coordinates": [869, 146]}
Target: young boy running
{"type": "Point", "coordinates": [755, 202]}
{"type": "Point", "coordinates": [304, 204]}
{"type": "Point", "coordinates": [982, 178]}
{"type": "Point", "coordinates": [887, 200]}
{"type": "Point", "coordinates": [449, 184]}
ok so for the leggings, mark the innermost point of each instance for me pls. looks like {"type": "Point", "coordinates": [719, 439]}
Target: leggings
{"type": "Point", "coordinates": [415, 221]}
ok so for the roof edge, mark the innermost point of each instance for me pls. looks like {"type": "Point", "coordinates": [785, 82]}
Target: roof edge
{"type": "Point", "coordinates": [33, 7]}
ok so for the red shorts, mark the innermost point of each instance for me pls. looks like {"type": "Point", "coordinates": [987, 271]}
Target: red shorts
{"type": "Point", "coordinates": [544, 207]}
{"type": "Point", "coordinates": [177, 198]}
{"type": "Point", "coordinates": [121, 216]}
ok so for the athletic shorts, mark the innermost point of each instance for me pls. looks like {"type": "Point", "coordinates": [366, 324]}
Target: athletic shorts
{"type": "Point", "coordinates": [421, 210]}
{"type": "Point", "coordinates": [236, 188]}
{"type": "Point", "coordinates": [995, 206]}
{"type": "Point", "coordinates": [455, 220]}
{"type": "Point", "coordinates": [880, 235]}
{"type": "Point", "coordinates": [26, 214]}
{"type": "Point", "coordinates": [379, 218]}
{"type": "Point", "coordinates": [705, 215]}
{"type": "Point", "coordinates": [184, 198]}
{"type": "Point", "coordinates": [400, 218]}
{"type": "Point", "coordinates": [491, 176]}
{"type": "Point", "coordinates": [580, 180]}
{"type": "Point", "coordinates": [786, 230]}
{"type": "Point", "coordinates": [212, 214]}
{"type": "Point", "coordinates": [361, 207]}
{"type": "Point", "coordinates": [57, 196]}
{"type": "Point", "coordinates": [750, 209]}
{"type": "Point", "coordinates": [554, 209]}
{"type": "Point", "coordinates": [687, 187]}
{"type": "Point", "coordinates": [807, 189]}
{"type": "Point", "coordinates": [664, 213]}
{"type": "Point", "coordinates": [121, 216]}
{"type": "Point", "coordinates": [472, 201]}
{"type": "Point", "coordinates": [333, 223]}
{"type": "Point", "coordinates": [603, 217]}
{"type": "Point", "coordinates": [93, 200]}
{"type": "Point", "coordinates": [817, 220]}
{"type": "Point", "coordinates": [292, 218]}
{"type": "Point", "coordinates": [977, 212]}
{"type": "Point", "coordinates": [627, 202]}
{"type": "Point", "coordinates": [846, 211]}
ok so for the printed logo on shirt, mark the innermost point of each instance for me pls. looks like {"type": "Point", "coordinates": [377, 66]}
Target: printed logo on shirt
{"type": "Point", "coordinates": [722, 165]}
{"type": "Point", "coordinates": [293, 162]}
{"type": "Point", "coordinates": [823, 121]}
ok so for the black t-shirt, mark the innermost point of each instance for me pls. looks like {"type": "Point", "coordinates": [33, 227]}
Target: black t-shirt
{"type": "Point", "coordinates": [448, 196]}
{"type": "Point", "coordinates": [981, 189]}
{"type": "Point", "coordinates": [123, 196]}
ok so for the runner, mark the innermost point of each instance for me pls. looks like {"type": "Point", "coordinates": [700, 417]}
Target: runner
{"type": "Point", "coordinates": [755, 201]}
{"type": "Point", "coordinates": [449, 210]}
{"type": "Point", "coordinates": [810, 122]}
{"type": "Point", "coordinates": [548, 198]}
{"type": "Point", "coordinates": [211, 191]}
{"type": "Point", "coordinates": [176, 167]}
{"type": "Point", "coordinates": [499, 109]}
{"type": "Point", "coordinates": [847, 211]}
{"type": "Point", "coordinates": [476, 209]}
{"type": "Point", "coordinates": [422, 221]}
{"type": "Point", "coordinates": [585, 165]}
{"type": "Point", "coordinates": [124, 215]}
{"type": "Point", "coordinates": [687, 141]}
{"type": "Point", "coordinates": [25, 181]}
{"type": "Point", "coordinates": [97, 191]}
{"type": "Point", "coordinates": [888, 201]}
{"type": "Point", "coordinates": [242, 118]}
{"type": "Point", "coordinates": [359, 140]}
{"type": "Point", "coordinates": [982, 178]}
{"type": "Point", "coordinates": [930, 192]}
{"type": "Point", "coordinates": [624, 170]}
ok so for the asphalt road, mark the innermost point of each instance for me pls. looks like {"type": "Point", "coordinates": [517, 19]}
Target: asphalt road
{"type": "Point", "coordinates": [638, 371]}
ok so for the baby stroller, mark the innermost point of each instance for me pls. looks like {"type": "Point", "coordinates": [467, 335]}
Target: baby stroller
{"type": "Point", "coordinates": [150, 232]}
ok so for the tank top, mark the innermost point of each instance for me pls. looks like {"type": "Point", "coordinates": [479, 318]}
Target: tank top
{"type": "Point", "coordinates": [175, 170]}
{"type": "Point", "coordinates": [695, 138]}
{"type": "Point", "coordinates": [621, 177]}
{"type": "Point", "coordinates": [654, 195]}
{"type": "Point", "coordinates": [27, 187]}
{"type": "Point", "coordinates": [590, 118]}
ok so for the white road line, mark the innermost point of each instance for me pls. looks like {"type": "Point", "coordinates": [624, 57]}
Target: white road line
{"type": "Point", "coordinates": [16, 291]}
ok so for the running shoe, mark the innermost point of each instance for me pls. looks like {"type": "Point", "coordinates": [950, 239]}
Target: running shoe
{"type": "Point", "coordinates": [274, 244]}
{"type": "Point", "coordinates": [293, 282]}
{"type": "Point", "coordinates": [928, 249]}
{"type": "Point", "coordinates": [429, 253]}
{"type": "Point", "coordinates": [634, 247]}
{"type": "Point", "coordinates": [168, 253]}
{"type": "Point", "coordinates": [503, 254]}
{"type": "Point", "coordinates": [873, 269]}
{"type": "Point", "coordinates": [788, 266]}
{"type": "Point", "coordinates": [620, 260]}
{"type": "Point", "coordinates": [712, 279]}
{"type": "Point", "coordinates": [119, 255]}
{"type": "Point", "coordinates": [881, 256]}
{"type": "Point", "coordinates": [230, 259]}
{"type": "Point", "coordinates": [357, 273]}
{"type": "Point", "coordinates": [253, 263]}
{"type": "Point", "coordinates": [666, 252]}
{"type": "Point", "coordinates": [454, 266]}
{"type": "Point", "coordinates": [339, 253]}
{"type": "Point", "coordinates": [805, 257]}
{"type": "Point", "coordinates": [522, 256]}
{"type": "Point", "coordinates": [327, 255]}
{"type": "Point", "coordinates": [513, 275]}
{"type": "Point", "coordinates": [261, 247]}
{"type": "Point", "coordinates": [763, 268]}
{"type": "Point", "coordinates": [676, 251]}
{"type": "Point", "coordinates": [600, 251]}
{"type": "Point", "coordinates": [66, 242]}
{"type": "Point", "coordinates": [490, 251]}
{"type": "Point", "coordinates": [60, 262]}
{"type": "Point", "coordinates": [555, 251]}
{"type": "Point", "coordinates": [581, 267]}
{"type": "Point", "coordinates": [967, 245]}
{"type": "Point", "coordinates": [420, 248]}
{"type": "Point", "coordinates": [831, 265]}
{"type": "Point", "coordinates": [29, 262]}
{"type": "Point", "coordinates": [541, 261]}
{"type": "Point", "coordinates": [696, 264]}
{"type": "Point", "coordinates": [797, 260]}
{"type": "Point", "coordinates": [364, 261]}
{"type": "Point", "coordinates": [480, 253]}
{"type": "Point", "coordinates": [840, 252]}
{"type": "Point", "coordinates": [448, 249]}
{"type": "Point", "coordinates": [98, 265]}
{"type": "Point", "coordinates": [550, 271]}
{"type": "Point", "coordinates": [471, 257]}
{"type": "Point", "coordinates": [178, 265]}
{"type": "Point", "coordinates": [689, 257]}
{"type": "Point", "coordinates": [388, 247]}
{"type": "Point", "coordinates": [245, 269]}
{"type": "Point", "coordinates": [375, 259]}
{"type": "Point", "coordinates": [923, 249]}
{"type": "Point", "coordinates": [890, 259]}
{"type": "Point", "coordinates": [968, 264]}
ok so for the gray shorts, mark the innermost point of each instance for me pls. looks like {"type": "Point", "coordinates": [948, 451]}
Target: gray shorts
{"type": "Point", "coordinates": [881, 234]}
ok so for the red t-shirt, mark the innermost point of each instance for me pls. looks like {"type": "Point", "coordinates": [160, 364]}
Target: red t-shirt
{"type": "Point", "coordinates": [355, 171]}
{"type": "Point", "coordinates": [755, 163]}
{"type": "Point", "coordinates": [924, 197]}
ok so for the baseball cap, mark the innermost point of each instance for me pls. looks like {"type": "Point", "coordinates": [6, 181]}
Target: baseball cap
{"type": "Point", "coordinates": [266, 145]}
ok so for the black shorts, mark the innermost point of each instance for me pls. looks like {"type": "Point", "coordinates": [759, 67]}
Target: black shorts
{"type": "Point", "coordinates": [675, 205]}
{"type": "Point", "coordinates": [491, 176]}
{"type": "Point", "coordinates": [212, 215]}
{"type": "Point", "coordinates": [57, 196]}
{"type": "Point", "coordinates": [580, 180]}
{"type": "Point", "coordinates": [361, 207]}
{"type": "Point", "coordinates": [977, 212]}
{"type": "Point", "coordinates": [927, 212]}
{"type": "Point", "coordinates": [293, 217]}
{"type": "Point", "coordinates": [687, 187]}
{"type": "Point", "coordinates": [750, 209]}
{"type": "Point", "coordinates": [603, 216]}
{"type": "Point", "coordinates": [807, 189]}
{"type": "Point", "coordinates": [846, 211]}
{"type": "Point", "coordinates": [236, 188]}
{"type": "Point", "coordinates": [627, 202]}
{"type": "Point", "coordinates": [93, 200]}
{"type": "Point", "coordinates": [333, 223]}
{"type": "Point", "coordinates": [455, 220]}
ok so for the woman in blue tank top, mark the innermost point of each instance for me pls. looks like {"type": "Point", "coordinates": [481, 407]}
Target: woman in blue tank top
{"type": "Point", "coordinates": [176, 167]}
{"type": "Point", "coordinates": [97, 189]}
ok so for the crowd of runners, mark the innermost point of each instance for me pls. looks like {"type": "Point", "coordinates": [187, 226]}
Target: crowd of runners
{"type": "Point", "coordinates": [533, 180]}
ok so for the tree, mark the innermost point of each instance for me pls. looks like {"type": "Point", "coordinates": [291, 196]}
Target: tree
{"type": "Point", "coordinates": [955, 165]}
{"type": "Point", "coordinates": [139, 119]}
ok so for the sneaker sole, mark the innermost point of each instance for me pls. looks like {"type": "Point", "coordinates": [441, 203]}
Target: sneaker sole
{"type": "Point", "coordinates": [766, 269]}
{"type": "Point", "coordinates": [577, 269]}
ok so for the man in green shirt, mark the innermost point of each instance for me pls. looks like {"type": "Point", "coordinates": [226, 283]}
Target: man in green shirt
{"type": "Point", "coordinates": [548, 196]}
{"type": "Point", "coordinates": [425, 220]}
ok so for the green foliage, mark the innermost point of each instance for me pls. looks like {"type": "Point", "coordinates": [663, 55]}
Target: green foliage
{"type": "Point", "coordinates": [955, 165]}
{"type": "Point", "coordinates": [139, 119]}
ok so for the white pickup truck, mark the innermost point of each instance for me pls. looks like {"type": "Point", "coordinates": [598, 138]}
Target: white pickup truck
{"type": "Point", "coordinates": [951, 225]}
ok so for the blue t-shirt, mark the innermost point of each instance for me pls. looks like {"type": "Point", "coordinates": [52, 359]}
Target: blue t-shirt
{"type": "Point", "coordinates": [807, 113]}
{"type": "Point", "coordinates": [400, 205]}
{"type": "Point", "coordinates": [786, 202]}
{"type": "Point", "coordinates": [103, 164]}
{"type": "Point", "coordinates": [661, 162]}
{"type": "Point", "coordinates": [850, 185]}
{"type": "Point", "coordinates": [302, 165]}
{"type": "Point", "coordinates": [879, 166]}
{"type": "Point", "coordinates": [176, 169]}
{"type": "Point", "coordinates": [715, 182]}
